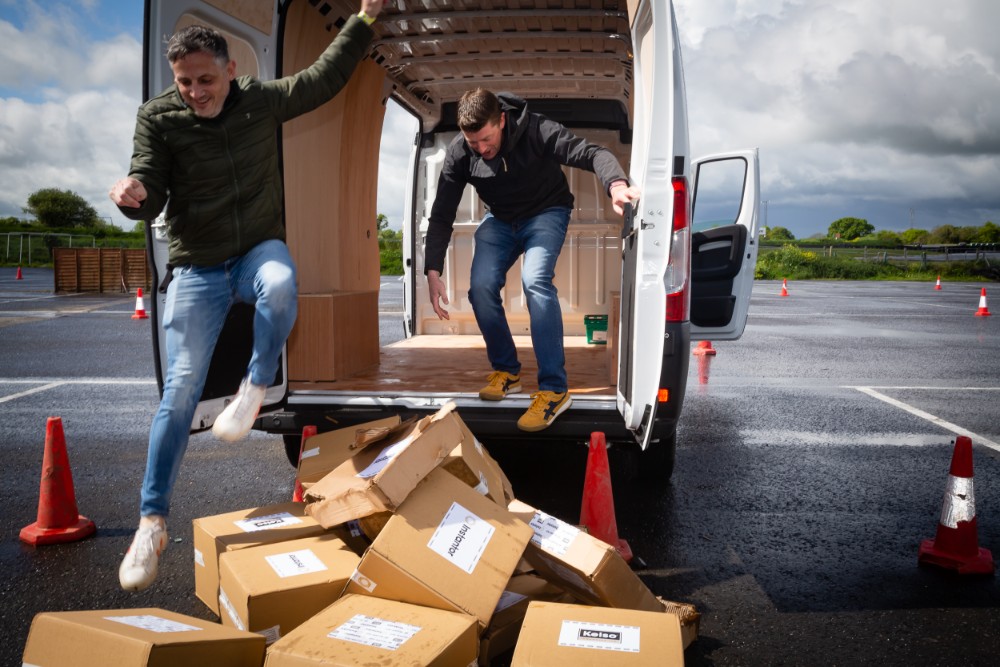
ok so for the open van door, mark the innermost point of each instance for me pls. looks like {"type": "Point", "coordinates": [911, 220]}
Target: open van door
{"type": "Point", "coordinates": [252, 38]}
{"type": "Point", "coordinates": [724, 243]}
{"type": "Point", "coordinates": [653, 335]}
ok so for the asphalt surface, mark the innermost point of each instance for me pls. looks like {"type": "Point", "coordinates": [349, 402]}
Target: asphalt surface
{"type": "Point", "coordinates": [812, 459]}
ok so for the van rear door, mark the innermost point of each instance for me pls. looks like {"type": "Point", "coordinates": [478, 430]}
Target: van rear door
{"type": "Point", "coordinates": [724, 232]}
{"type": "Point", "coordinates": [252, 38]}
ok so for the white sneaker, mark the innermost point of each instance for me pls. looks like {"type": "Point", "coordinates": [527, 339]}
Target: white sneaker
{"type": "Point", "coordinates": [142, 560]}
{"type": "Point", "coordinates": [236, 420]}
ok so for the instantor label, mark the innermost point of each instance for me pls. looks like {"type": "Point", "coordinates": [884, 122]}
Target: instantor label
{"type": "Point", "coordinates": [959, 502]}
{"type": "Point", "coordinates": [383, 459]}
{"type": "Point", "coordinates": [375, 632]}
{"type": "Point", "coordinates": [153, 623]}
{"type": "Point", "coordinates": [279, 520]}
{"type": "Point", "coordinates": [294, 563]}
{"type": "Point", "coordinates": [601, 636]}
{"type": "Point", "coordinates": [461, 538]}
{"type": "Point", "coordinates": [551, 534]}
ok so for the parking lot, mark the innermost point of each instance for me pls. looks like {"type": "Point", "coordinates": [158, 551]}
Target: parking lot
{"type": "Point", "coordinates": [812, 458]}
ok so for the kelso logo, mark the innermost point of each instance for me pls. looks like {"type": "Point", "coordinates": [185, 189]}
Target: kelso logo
{"type": "Point", "coordinates": [601, 635]}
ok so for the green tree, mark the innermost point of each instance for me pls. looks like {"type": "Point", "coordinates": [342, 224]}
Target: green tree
{"type": "Point", "coordinates": [849, 229]}
{"type": "Point", "coordinates": [779, 234]}
{"type": "Point", "coordinates": [944, 234]}
{"type": "Point", "coordinates": [886, 237]}
{"type": "Point", "coordinates": [988, 233]}
{"type": "Point", "coordinates": [139, 228]}
{"type": "Point", "coordinates": [915, 236]}
{"type": "Point", "coordinates": [56, 208]}
{"type": "Point", "coordinates": [381, 222]}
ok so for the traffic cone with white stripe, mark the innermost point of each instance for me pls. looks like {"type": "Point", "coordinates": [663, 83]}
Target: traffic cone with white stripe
{"type": "Point", "coordinates": [784, 287]}
{"type": "Point", "coordinates": [140, 309]}
{"type": "Point", "coordinates": [298, 495]}
{"type": "Point", "coordinates": [983, 310]}
{"type": "Point", "coordinates": [937, 285]}
{"type": "Point", "coordinates": [956, 545]}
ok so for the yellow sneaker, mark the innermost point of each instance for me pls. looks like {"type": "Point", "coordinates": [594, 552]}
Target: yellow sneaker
{"type": "Point", "coordinates": [545, 407]}
{"type": "Point", "coordinates": [501, 384]}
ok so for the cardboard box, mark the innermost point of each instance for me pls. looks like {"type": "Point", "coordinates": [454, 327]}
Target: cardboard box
{"type": "Point", "coordinates": [505, 625]}
{"type": "Point", "coordinates": [274, 588]}
{"type": "Point", "coordinates": [325, 451]}
{"type": "Point", "coordinates": [560, 634]}
{"type": "Point", "coordinates": [238, 530]}
{"type": "Point", "coordinates": [136, 638]}
{"type": "Point", "coordinates": [335, 336]}
{"type": "Point", "coordinates": [471, 463]}
{"type": "Point", "coordinates": [446, 547]}
{"type": "Point", "coordinates": [379, 478]}
{"type": "Point", "coordinates": [587, 567]}
{"type": "Point", "coordinates": [614, 319]}
{"type": "Point", "coordinates": [361, 630]}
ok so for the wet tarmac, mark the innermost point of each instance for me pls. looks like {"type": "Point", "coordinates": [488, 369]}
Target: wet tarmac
{"type": "Point", "coordinates": [812, 459]}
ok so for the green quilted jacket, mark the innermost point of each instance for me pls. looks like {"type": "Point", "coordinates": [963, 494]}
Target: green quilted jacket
{"type": "Point", "coordinates": [219, 177]}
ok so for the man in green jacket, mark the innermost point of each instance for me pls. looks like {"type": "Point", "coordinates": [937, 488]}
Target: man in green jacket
{"type": "Point", "coordinates": [206, 149]}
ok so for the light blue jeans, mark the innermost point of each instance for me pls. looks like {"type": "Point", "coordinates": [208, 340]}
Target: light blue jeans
{"type": "Point", "coordinates": [198, 299]}
{"type": "Point", "coordinates": [498, 246]}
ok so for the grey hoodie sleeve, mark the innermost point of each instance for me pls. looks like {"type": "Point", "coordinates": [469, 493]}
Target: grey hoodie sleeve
{"type": "Point", "coordinates": [574, 151]}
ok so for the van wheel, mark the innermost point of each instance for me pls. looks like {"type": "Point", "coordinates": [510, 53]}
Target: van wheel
{"type": "Point", "coordinates": [293, 445]}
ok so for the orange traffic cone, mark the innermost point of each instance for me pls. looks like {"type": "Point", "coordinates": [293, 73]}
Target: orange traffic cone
{"type": "Point", "coordinates": [704, 347]}
{"type": "Point", "coordinates": [19, 276]}
{"type": "Point", "coordinates": [140, 310]}
{"type": "Point", "coordinates": [937, 285]}
{"type": "Point", "coordinates": [784, 287]}
{"type": "Point", "coordinates": [956, 545]}
{"type": "Point", "coordinates": [299, 494]}
{"type": "Point", "coordinates": [983, 310]}
{"type": "Point", "coordinates": [597, 512]}
{"type": "Point", "coordinates": [58, 519]}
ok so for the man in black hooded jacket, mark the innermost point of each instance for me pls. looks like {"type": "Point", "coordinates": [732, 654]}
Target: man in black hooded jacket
{"type": "Point", "coordinates": [513, 158]}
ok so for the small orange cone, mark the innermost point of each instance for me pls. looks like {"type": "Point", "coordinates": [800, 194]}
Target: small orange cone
{"type": "Point", "coordinates": [597, 512]}
{"type": "Point", "coordinates": [956, 545]}
{"type": "Point", "coordinates": [140, 310]}
{"type": "Point", "coordinates": [983, 310]}
{"type": "Point", "coordinates": [784, 287]}
{"type": "Point", "coordinates": [937, 285]}
{"type": "Point", "coordinates": [58, 519]}
{"type": "Point", "coordinates": [19, 276]}
{"type": "Point", "coordinates": [704, 347]}
{"type": "Point", "coordinates": [299, 494]}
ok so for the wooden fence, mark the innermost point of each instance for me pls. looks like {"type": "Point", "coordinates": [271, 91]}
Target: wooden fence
{"type": "Point", "coordinates": [100, 269]}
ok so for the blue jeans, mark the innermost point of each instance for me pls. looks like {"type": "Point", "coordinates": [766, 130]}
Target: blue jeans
{"type": "Point", "coordinates": [198, 299]}
{"type": "Point", "coordinates": [498, 246]}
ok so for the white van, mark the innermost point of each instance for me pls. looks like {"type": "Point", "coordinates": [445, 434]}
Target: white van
{"type": "Point", "coordinates": [679, 268]}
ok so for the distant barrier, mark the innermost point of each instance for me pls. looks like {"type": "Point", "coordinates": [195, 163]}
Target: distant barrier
{"type": "Point", "coordinates": [100, 269]}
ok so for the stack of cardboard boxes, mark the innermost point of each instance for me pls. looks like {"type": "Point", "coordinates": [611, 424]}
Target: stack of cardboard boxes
{"type": "Point", "coordinates": [410, 549]}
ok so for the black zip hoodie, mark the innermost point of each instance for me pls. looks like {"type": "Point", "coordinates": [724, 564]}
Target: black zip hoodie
{"type": "Point", "coordinates": [524, 179]}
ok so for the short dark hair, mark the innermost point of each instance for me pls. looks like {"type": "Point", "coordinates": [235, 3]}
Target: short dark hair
{"type": "Point", "coordinates": [476, 108]}
{"type": "Point", "coordinates": [195, 38]}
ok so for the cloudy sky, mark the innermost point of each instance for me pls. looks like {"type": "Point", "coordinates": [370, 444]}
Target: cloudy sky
{"type": "Point", "coordinates": [886, 110]}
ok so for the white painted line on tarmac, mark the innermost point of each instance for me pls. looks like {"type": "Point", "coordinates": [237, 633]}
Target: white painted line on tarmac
{"type": "Point", "coordinates": [954, 428]}
{"type": "Point", "coordinates": [29, 392]}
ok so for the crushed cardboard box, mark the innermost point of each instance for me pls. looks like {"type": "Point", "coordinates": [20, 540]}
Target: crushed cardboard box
{"type": "Point", "coordinates": [363, 630]}
{"type": "Point", "coordinates": [273, 588]}
{"type": "Point", "coordinates": [555, 635]}
{"type": "Point", "coordinates": [379, 478]}
{"type": "Point", "coordinates": [592, 570]}
{"type": "Point", "coordinates": [144, 637]}
{"type": "Point", "coordinates": [238, 530]}
{"type": "Point", "coordinates": [323, 452]}
{"type": "Point", "coordinates": [447, 547]}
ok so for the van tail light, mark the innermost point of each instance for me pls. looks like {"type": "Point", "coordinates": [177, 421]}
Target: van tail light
{"type": "Point", "coordinates": [676, 280]}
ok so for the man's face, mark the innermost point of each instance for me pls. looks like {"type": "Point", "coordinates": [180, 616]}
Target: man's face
{"type": "Point", "coordinates": [487, 140]}
{"type": "Point", "coordinates": [203, 82]}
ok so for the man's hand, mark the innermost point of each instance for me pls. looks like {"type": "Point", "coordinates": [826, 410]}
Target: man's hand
{"type": "Point", "coordinates": [371, 7]}
{"type": "Point", "coordinates": [437, 291]}
{"type": "Point", "coordinates": [128, 192]}
{"type": "Point", "coordinates": [621, 194]}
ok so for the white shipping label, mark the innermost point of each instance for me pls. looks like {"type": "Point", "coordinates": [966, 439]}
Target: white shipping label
{"type": "Point", "coordinates": [461, 538]}
{"type": "Point", "coordinates": [363, 581]}
{"type": "Point", "coordinates": [153, 623]}
{"type": "Point", "coordinates": [551, 534]}
{"type": "Point", "coordinates": [294, 563]}
{"type": "Point", "coordinates": [279, 520]}
{"type": "Point", "coordinates": [375, 632]}
{"type": "Point", "coordinates": [309, 453]}
{"type": "Point", "coordinates": [601, 636]}
{"type": "Point", "coordinates": [483, 488]}
{"type": "Point", "coordinates": [227, 604]}
{"type": "Point", "coordinates": [199, 558]}
{"type": "Point", "coordinates": [383, 459]}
